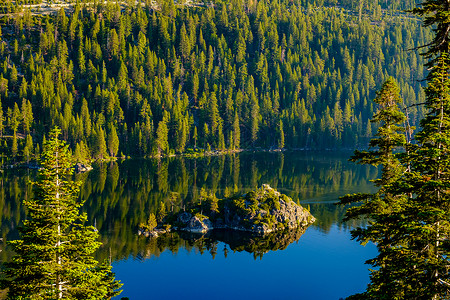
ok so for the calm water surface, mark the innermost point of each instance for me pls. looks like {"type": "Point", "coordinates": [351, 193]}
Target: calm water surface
{"type": "Point", "coordinates": [324, 263]}
{"type": "Point", "coordinates": [320, 266]}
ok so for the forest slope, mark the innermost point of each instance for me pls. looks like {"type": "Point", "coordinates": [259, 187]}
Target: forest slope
{"type": "Point", "coordinates": [143, 82]}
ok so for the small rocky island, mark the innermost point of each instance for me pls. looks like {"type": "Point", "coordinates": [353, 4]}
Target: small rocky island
{"type": "Point", "coordinates": [261, 211]}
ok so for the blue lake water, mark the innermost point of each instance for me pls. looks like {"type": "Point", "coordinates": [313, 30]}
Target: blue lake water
{"type": "Point", "coordinates": [320, 266]}
{"type": "Point", "coordinates": [323, 263]}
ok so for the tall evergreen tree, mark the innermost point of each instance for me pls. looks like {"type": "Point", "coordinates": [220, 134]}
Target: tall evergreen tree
{"type": "Point", "coordinates": [2, 119]}
{"type": "Point", "coordinates": [161, 214]}
{"type": "Point", "coordinates": [382, 207]}
{"type": "Point", "coordinates": [15, 146]}
{"type": "Point", "coordinates": [113, 141]}
{"type": "Point", "coordinates": [14, 118]}
{"type": "Point", "coordinates": [195, 136]}
{"type": "Point", "coordinates": [415, 250]}
{"type": "Point", "coordinates": [54, 257]}
{"type": "Point", "coordinates": [281, 135]}
{"type": "Point", "coordinates": [436, 14]}
{"type": "Point", "coordinates": [27, 115]}
{"type": "Point", "coordinates": [236, 132]}
{"type": "Point", "coordinates": [427, 186]}
{"type": "Point", "coordinates": [162, 137]}
{"type": "Point", "coordinates": [254, 119]}
{"type": "Point", "coordinates": [100, 144]}
{"type": "Point", "coordinates": [28, 150]}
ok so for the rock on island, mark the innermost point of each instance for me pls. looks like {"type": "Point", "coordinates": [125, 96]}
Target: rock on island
{"type": "Point", "coordinates": [260, 211]}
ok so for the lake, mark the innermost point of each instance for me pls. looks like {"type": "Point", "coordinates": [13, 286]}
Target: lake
{"type": "Point", "coordinates": [319, 263]}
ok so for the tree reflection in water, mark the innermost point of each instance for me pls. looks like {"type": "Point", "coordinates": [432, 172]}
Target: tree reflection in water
{"type": "Point", "coordinates": [120, 195]}
{"type": "Point", "coordinates": [234, 240]}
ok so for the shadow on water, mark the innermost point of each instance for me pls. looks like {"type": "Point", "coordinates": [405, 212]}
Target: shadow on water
{"type": "Point", "coordinates": [234, 241]}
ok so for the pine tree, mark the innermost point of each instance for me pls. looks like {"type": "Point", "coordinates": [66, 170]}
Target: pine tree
{"type": "Point", "coordinates": [415, 248]}
{"type": "Point", "coordinates": [195, 136]}
{"type": "Point", "coordinates": [27, 115]}
{"type": "Point", "coordinates": [213, 203]}
{"type": "Point", "coordinates": [28, 150]}
{"type": "Point", "coordinates": [205, 135]}
{"type": "Point", "coordinates": [13, 75]}
{"type": "Point", "coordinates": [230, 141]}
{"type": "Point", "coordinates": [151, 222]}
{"type": "Point", "coordinates": [15, 146]}
{"type": "Point", "coordinates": [78, 156]}
{"type": "Point", "coordinates": [213, 113]}
{"type": "Point", "coordinates": [254, 115]}
{"type": "Point", "coordinates": [161, 214]}
{"type": "Point", "coordinates": [81, 61]}
{"type": "Point", "coordinates": [387, 203]}
{"type": "Point", "coordinates": [427, 186]}
{"type": "Point", "coordinates": [220, 138]}
{"type": "Point", "coordinates": [14, 117]}
{"type": "Point", "coordinates": [181, 134]}
{"type": "Point", "coordinates": [435, 15]}
{"type": "Point", "coordinates": [185, 46]}
{"type": "Point", "coordinates": [236, 132]}
{"type": "Point", "coordinates": [195, 85]}
{"type": "Point", "coordinates": [2, 119]}
{"type": "Point", "coordinates": [85, 117]}
{"type": "Point", "coordinates": [113, 141]}
{"type": "Point", "coordinates": [54, 255]}
{"type": "Point", "coordinates": [100, 144]}
{"type": "Point", "coordinates": [162, 137]}
{"type": "Point", "coordinates": [281, 134]}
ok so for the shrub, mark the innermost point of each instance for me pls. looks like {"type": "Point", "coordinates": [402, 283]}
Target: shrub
{"type": "Point", "coordinates": [151, 222]}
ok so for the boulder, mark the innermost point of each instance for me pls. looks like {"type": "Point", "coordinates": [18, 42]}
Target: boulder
{"type": "Point", "coordinates": [184, 217]}
{"type": "Point", "coordinates": [147, 233]}
{"type": "Point", "coordinates": [196, 224]}
{"type": "Point", "coordinates": [153, 234]}
{"type": "Point", "coordinates": [81, 168]}
{"type": "Point", "coordinates": [292, 215]}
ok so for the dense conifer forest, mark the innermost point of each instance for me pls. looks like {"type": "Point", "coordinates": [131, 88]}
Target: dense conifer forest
{"type": "Point", "coordinates": [162, 78]}
{"type": "Point", "coordinates": [142, 79]}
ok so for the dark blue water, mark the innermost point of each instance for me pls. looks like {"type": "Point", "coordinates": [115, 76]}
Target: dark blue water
{"type": "Point", "coordinates": [323, 264]}
{"type": "Point", "coordinates": [320, 266]}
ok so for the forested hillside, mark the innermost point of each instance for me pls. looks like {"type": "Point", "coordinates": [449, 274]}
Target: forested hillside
{"type": "Point", "coordinates": [140, 81]}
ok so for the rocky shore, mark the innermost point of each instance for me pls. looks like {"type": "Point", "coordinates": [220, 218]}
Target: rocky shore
{"type": "Point", "coordinates": [261, 211]}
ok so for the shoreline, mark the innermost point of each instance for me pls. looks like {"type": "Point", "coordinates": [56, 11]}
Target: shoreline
{"type": "Point", "coordinates": [33, 165]}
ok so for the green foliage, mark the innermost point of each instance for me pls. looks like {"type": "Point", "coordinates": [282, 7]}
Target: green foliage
{"type": "Point", "coordinates": [136, 81]}
{"type": "Point", "coordinates": [427, 212]}
{"type": "Point", "coordinates": [113, 141]}
{"type": "Point", "coordinates": [28, 150]}
{"type": "Point", "coordinates": [213, 204]}
{"type": "Point", "coordinates": [161, 214]}
{"type": "Point", "coordinates": [240, 207]}
{"type": "Point", "coordinates": [143, 184]}
{"type": "Point", "coordinates": [281, 134]}
{"type": "Point", "coordinates": [386, 202]}
{"type": "Point", "coordinates": [151, 222]}
{"type": "Point", "coordinates": [54, 257]}
{"type": "Point", "coordinates": [256, 201]}
{"type": "Point", "coordinates": [14, 148]}
{"type": "Point", "coordinates": [410, 212]}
